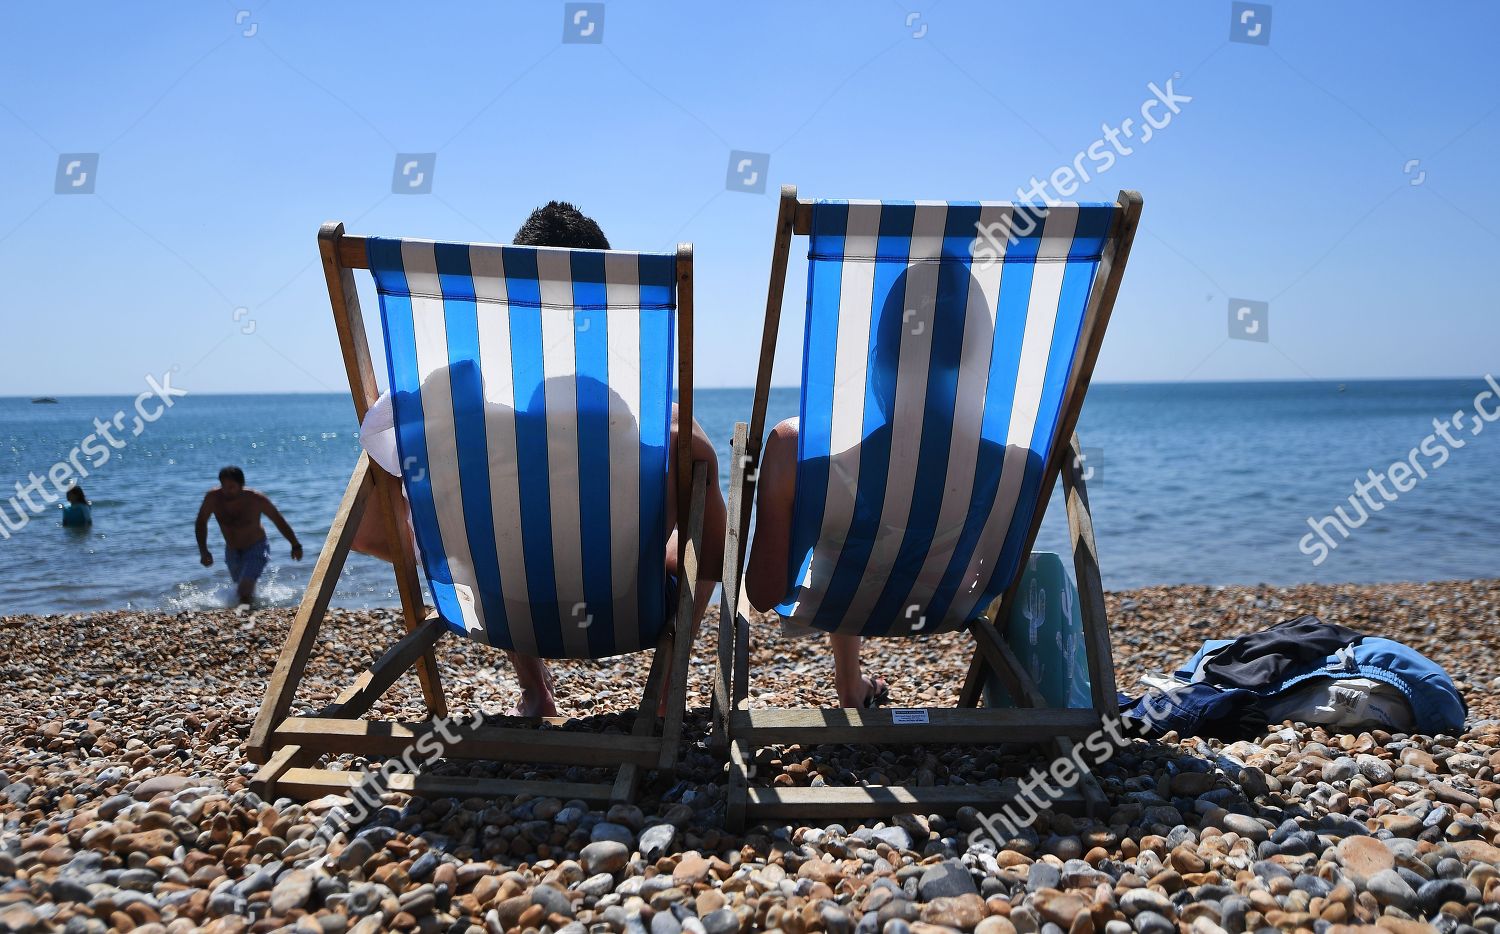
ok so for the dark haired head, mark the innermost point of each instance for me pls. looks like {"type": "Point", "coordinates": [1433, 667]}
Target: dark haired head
{"type": "Point", "coordinates": [75, 494]}
{"type": "Point", "coordinates": [558, 223]}
{"type": "Point", "coordinates": [232, 475]}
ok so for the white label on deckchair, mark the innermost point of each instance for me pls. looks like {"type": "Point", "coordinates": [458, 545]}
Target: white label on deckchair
{"type": "Point", "coordinates": [911, 715]}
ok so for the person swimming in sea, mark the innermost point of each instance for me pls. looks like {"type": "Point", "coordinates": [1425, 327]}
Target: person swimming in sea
{"type": "Point", "coordinates": [246, 548]}
{"type": "Point", "coordinates": [77, 512]}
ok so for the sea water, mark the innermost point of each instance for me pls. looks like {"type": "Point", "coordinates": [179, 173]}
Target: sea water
{"type": "Point", "coordinates": [1190, 482]}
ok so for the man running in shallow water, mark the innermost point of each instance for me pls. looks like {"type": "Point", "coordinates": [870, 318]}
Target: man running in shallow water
{"type": "Point", "coordinates": [246, 549]}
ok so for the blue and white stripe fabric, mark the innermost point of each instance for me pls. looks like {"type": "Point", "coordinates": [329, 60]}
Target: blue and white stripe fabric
{"type": "Point", "coordinates": [532, 394]}
{"type": "Point", "coordinates": [934, 367]}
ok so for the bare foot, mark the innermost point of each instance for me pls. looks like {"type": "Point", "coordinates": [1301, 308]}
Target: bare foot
{"type": "Point", "coordinates": [534, 704]}
{"type": "Point", "coordinates": [535, 680]}
{"type": "Point", "coordinates": [873, 692]}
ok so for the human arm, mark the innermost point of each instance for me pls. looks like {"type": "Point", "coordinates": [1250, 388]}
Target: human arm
{"type": "Point", "coordinates": [200, 530]}
{"type": "Point", "coordinates": [776, 487]}
{"type": "Point", "coordinates": [282, 526]}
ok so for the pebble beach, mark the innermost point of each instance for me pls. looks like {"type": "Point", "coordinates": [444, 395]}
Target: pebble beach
{"type": "Point", "coordinates": [124, 798]}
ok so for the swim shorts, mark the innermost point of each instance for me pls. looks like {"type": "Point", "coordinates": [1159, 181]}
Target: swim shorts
{"type": "Point", "coordinates": [247, 563]}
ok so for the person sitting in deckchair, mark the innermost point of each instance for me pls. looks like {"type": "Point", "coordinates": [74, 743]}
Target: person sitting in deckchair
{"type": "Point", "coordinates": [769, 576]}
{"type": "Point", "coordinates": [559, 224]}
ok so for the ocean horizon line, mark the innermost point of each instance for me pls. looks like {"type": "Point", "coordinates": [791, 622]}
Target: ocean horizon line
{"type": "Point", "coordinates": [1097, 382]}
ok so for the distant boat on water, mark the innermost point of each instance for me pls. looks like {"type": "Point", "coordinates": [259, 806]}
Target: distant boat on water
{"type": "Point", "coordinates": [44, 400]}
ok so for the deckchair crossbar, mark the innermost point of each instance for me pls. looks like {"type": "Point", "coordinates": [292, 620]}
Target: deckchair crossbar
{"type": "Point", "coordinates": [909, 726]}
{"type": "Point", "coordinates": [386, 738]}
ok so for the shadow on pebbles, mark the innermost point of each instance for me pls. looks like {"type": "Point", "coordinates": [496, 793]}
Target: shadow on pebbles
{"type": "Point", "coordinates": [124, 801]}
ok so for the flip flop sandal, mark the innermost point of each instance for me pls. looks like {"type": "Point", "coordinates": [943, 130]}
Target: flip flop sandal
{"type": "Point", "coordinates": [880, 693]}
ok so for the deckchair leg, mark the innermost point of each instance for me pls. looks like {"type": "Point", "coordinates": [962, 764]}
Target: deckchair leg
{"type": "Point", "coordinates": [687, 600]}
{"type": "Point", "coordinates": [355, 700]}
{"type": "Point", "coordinates": [742, 483]}
{"type": "Point", "coordinates": [287, 674]}
{"type": "Point", "coordinates": [410, 589]}
{"type": "Point", "coordinates": [1094, 800]}
{"type": "Point", "coordinates": [741, 751]}
{"type": "Point", "coordinates": [1090, 585]}
{"type": "Point", "coordinates": [740, 489]}
{"type": "Point", "coordinates": [1091, 597]}
{"type": "Point", "coordinates": [998, 655]}
{"type": "Point", "coordinates": [972, 691]}
{"type": "Point", "coordinates": [628, 779]}
{"type": "Point", "coordinates": [738, 800]}
{"type": "Point", "coordinates": [354, 345]}
{"type": "Point", "coordinates": [994, 656]}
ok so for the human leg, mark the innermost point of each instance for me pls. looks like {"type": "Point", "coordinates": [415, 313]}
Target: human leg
{"type": "Point", "coordinates": [252, 562]}
{"type": "Point", "coordinates": [711, 554]}
{"type": "Point", "coordinates": [537, 699]}
{"type": "Point", "coordinates": [766, 582]}
{"type": "Point", "coordinates": [854, 688]}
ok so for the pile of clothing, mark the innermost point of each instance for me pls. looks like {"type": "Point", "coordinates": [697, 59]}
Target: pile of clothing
{"type": "Point", "coordinates": [1303, 670]}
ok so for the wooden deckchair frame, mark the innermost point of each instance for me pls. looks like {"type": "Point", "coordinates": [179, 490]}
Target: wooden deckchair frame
{"type": "Point", "coordinates": [740, 730]}
{"type": "Point", "coordinates": [289, 748]}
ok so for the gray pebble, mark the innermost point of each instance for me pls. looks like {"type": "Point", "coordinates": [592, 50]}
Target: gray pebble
{"type": "Point", "coordinates": [66, 889]}
{"type": "Point", "coordinates": [1042, 876]}
{"type": "Point", "coordinates": [1149, 922]}
{"type": "Point", "coordinates": [356, 853]}
{"type": "Point", "coordinates": [608, 856]}
{"type": "Point", "coordinates": [1232, 911]}
{"type": "Point", "coordinates": [656, 840]}
{"type": "Point", "coordinates": [111, 807]}
{"type": "Point", "coordinates": [553, 900]}
{"type": "Point", "coordinates": [722, 921]}
{"type": "Point", "coordinates": [1315, 886]}
{"type": "Point", "coordinates": [423, 866]}
{"type": "Point", "coordinates": [1246, 826]}
{"type": "Point", "coordinates": [597, 885]}
{"type": "Point", "coordinates": [948, 878]}
{"type": "Point", "coordinates": [224, 902]}
{"type": "Point", "coordinates": [1389, 888]}
{"type": "Point", "coordinates": [619, 833]}
{"type": "Point", "coordinates": [1433, 894]}
{"type": "Point", "coordinates": [894, 837]}
{"type": "Point", "coordinates": [1161, 814]}
{"type": "Point", "coordinates": [139, 880]}
{"type": "Point", "coordinates": [1136, 901]}
{"type": "Point", "coordinates": [1377, 770]}
{"type": "Point", "coordinates": [1340, 770]}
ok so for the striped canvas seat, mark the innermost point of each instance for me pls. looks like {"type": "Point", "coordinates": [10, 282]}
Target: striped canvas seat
{"type": "Point", "coordinates": [532, 394]}
{"type": "Point", "coordinates": [934, 367]}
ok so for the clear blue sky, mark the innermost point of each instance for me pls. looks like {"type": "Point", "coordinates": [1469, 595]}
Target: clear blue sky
{"type": "Point", "coordinates": [1286, 179]}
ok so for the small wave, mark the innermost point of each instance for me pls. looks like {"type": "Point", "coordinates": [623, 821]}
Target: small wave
{"type": "Point", "coordinates": [189, 596]}
{"type": "Point", "coordinates": [272, 592]}
{"type": "Point", "coordinates": [193, 596]}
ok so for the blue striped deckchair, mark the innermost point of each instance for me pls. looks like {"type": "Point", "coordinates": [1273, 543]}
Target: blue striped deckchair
{"type": "Point", "coordinates": [947, 350]}
{"type": "Point", "coordinates": [531, 397]}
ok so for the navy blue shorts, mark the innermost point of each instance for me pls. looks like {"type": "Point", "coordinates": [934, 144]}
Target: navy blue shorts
{"type": "Point", "coordinates": [246, 564]}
